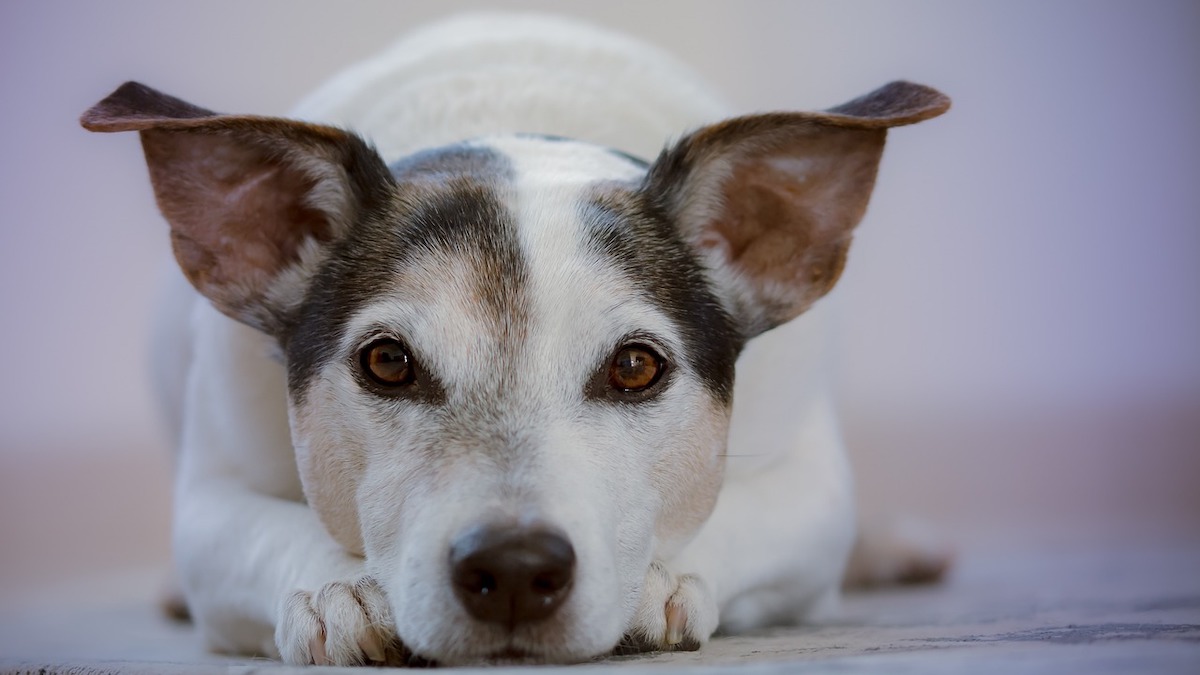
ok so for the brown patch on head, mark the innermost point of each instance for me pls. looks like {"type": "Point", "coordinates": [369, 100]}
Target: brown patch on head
{"type": "Point", "coordinates": [245, 195]}
{"type": "Point", "coordinates": [771, 200]}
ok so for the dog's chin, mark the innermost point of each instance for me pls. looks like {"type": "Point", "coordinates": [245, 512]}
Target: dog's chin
{"type": "Point", "coordinates": [513, 656]}
{"type": "Point", "coordinates": [513, 650]}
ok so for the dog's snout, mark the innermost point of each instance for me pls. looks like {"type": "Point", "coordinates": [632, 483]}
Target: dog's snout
{"type": "Point", "coordinates": [511, 575]}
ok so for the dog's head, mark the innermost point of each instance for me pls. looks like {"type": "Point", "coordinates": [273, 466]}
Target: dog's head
{"type": "Point", "coordinates": [510, 361]}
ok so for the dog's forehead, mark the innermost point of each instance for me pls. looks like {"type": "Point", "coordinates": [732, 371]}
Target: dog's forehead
{"type": "Point", "coordinates": [511, 248]}
{"type": "Point", "coordinates": [501, 265]}
{"type": "Point", "coordinates": [508, 159]}
{"type": "Point", "coordinates": [562, 161]}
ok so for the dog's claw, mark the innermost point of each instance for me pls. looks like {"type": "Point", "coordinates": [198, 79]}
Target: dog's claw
{"type": "Point", "coordinates": [676, 623]}
{"type": "Point", "coordinates": [371, 647]}
{"type": "Point", "coordinates": [316, 647]}
{"type": "Point", "coordinates": [345, 623]}
{"type": "Point", "coordinates": [676, 613]}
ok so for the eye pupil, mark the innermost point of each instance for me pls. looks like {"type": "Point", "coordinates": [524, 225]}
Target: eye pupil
{"type": "Point", "coordinates": [635, 368]}
{"type": "Point", "coordinates": [387, 363]}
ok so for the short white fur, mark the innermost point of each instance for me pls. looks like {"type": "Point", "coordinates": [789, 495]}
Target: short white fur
{"type": "Point", "coordinates": [257, 565]}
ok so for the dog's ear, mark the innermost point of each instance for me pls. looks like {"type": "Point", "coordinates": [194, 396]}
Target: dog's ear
{"type": "Point", "coordinates": [770, 201]}
{"type": "Point", "coordinates": [252, 201]}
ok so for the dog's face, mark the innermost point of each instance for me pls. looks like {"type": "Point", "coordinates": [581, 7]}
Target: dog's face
{"type": "Point", "coordinates": [510, 361]}
{"type": "Point", "coordinates": [514, 342]}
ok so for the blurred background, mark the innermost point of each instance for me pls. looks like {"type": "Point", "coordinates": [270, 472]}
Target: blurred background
{"type": "Point", "coordinates": [1019, 345]}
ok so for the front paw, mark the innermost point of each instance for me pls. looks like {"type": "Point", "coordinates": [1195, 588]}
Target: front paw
{"type": "Point", "coordinates": [676, 613]}
{"type": "Point", "coordinates": [345, 623]}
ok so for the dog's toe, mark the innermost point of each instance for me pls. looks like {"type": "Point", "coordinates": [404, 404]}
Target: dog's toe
{"type": "Point", "coordinates": [676, 613]}
{"type": "Point", "coordinates": [345, 623]}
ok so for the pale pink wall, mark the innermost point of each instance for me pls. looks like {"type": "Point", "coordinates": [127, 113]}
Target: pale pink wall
{"type": "Point", "coordinates": [1034, 251]}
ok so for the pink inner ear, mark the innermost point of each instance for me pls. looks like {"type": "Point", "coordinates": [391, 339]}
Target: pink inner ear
{"type": "Point", "coordinates": [238, 217]}
{"type": "Point", "coordinates": [787, 216]}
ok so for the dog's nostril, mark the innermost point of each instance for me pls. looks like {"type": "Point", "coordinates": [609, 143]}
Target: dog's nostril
{"type": "Point", "coordinates": [550, 582]}
{"type": "Point", "coordinates": [512, 575]}
{"type": "Point", "coordinates": [477, 581]}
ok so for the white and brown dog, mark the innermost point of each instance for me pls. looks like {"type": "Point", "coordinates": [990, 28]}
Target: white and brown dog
{"type": "Point", "coordinates": [464, 391]}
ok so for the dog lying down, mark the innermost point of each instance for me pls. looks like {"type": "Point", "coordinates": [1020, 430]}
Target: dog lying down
{"type": "Point", "coordinates": [461, 389]}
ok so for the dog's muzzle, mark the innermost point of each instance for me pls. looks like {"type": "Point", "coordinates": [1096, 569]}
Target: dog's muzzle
{"type": "Point", "coordinates": [511, 574]}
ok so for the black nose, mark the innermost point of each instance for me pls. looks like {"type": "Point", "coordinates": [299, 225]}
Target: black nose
{"type": "Point", "coordinates": [512, 574]}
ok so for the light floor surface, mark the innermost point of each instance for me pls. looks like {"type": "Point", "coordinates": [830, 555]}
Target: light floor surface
{"type": "Point", "coordinates": [1134, 610]}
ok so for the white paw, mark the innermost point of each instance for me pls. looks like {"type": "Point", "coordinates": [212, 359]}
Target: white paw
{"type": "Point", "coordinates": [345, 623]}
{"type": "Point", "coordinates": [676, 613]}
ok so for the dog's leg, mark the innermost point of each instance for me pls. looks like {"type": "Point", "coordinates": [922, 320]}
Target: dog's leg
{"type": "Point", "coordinates": [170, 357]}
{"type": "Point", "coordinates": [896, 551]}
{"type": "Point", "coordinates": [775, 546]}
{"type": "Point", "coordinates": [260, 572]}
{"type": "Point", "coordinates": [283, 588]}
{"type": "Point", "coordinates": [238, 587]}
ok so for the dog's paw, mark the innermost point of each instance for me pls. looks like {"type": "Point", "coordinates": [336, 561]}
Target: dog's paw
{"type": "Point", "coordinates": [901, 551]}
{"type": "Point", "coordinates": [345, 623]}
{"type": "Point", "coordinates": [676, 613]}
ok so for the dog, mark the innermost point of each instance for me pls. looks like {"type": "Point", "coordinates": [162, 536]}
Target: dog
{"type": "Point", "coordinates": [458, 385]}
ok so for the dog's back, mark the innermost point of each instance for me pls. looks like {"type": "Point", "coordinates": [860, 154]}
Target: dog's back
{"type": "Point", "coordinates": [484, 74]}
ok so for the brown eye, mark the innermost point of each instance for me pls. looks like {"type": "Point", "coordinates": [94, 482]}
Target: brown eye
{"type": "Point", "coordinates": [635, 368]}
{"type": "Point", "coordinates": [387, 363]}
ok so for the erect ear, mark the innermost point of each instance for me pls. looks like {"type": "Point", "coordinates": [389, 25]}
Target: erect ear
{"type": "Point", "coordinates": [770, 201]}
{"type": "Point", "coordinates": [252, 202]}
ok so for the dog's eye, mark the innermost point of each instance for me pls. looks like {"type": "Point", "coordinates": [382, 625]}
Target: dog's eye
{"type": "Point", "coordinates": [635, 368]}
{"type": "Point", "coordinates": [387, 363]}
